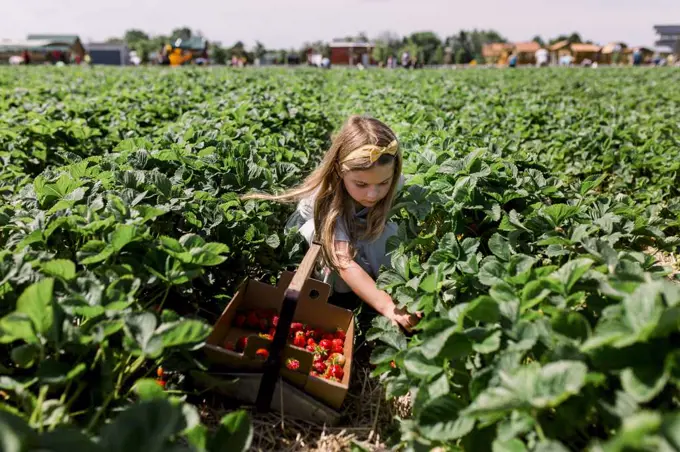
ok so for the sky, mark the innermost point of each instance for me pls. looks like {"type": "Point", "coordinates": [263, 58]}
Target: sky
{"type": "Point", "coordinates": [290, 23]}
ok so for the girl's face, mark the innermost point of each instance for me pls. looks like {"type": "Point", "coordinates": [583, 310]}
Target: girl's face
{"type": "Point", "coordinates": [368, 187]}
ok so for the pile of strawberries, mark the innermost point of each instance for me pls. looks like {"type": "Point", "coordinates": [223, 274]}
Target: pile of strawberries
{"type": "Point", "coordinates": [326, 346]}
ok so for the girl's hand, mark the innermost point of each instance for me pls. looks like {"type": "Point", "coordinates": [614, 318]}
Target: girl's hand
{"type": "Point", "coordinates": [401, 317]}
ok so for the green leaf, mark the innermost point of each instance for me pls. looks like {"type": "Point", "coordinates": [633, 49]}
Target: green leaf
{"type": "Point", "coordinates": [500, 247]}
{"type": "Point", "coordinates": [123, 235]}
{"type": "Point", "coordinates": [66, 439]}
{"type": "Point", "coordinates": [60, 268]}
{"type": "Point", "coordinates": [510, 445]}
{"type": "Point", "coordinates": [531, 386]}
{"type": "Point", "coordinates": [571, 272]}
{"type": "Point", "coordinates": [644, 383]}
{"type": "Point", "coordinates": [56, 372]}
{"type": "Point", "coordinates": [234, 434]}
{"type": "Point", "coordinates": [141, 327]}
{"type": "Point", "coordinates": [571, 324]}
{"type": "Point", "coordinates": [417, 365]}
{"type": "Point", "coordinates": [185, 332]}
{"type": "Point", "coordinates": [15, 434]}
{"type": "Point", "coordinates": [25, 355]}
{"type": "Point", "coordinates": [143, 427]}
{"type": "Point", "coordinates": [149, 389]}
{"type": "Point", "coordinates": [432, 346]}
{"type": "Point", "coordinates": [671, 429]}
{"type": "Point", "coordinates": [440, 420]}
{"type": "Point", "coordinates": [273, 241]}
{"type": "Point", "coordinates": [17, 326]}
{"type": "Point", "coordinates": [36, 303]}
{"type": "Point", "coordinates": [489, 344]}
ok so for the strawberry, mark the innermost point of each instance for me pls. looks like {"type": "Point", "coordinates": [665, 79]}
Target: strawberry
{"type": "Point", "coordinates": [326, 344]}
{"type": "Point", "coordinates": [336, 371]}
{"type": "Point", "coordinates": [299, 339]}
{"type": "Point", "coordinates": [275, 320]}
{"type": "Point", "coordinates": [338, 342]}
{"type": "Point", "coordinates": [337, 358]}
{"type": "Point", "coordinates": [311, 342]}
{"type": "Point", "coordinates": [160, 372]}
{"type": "Point", "coordinates": [309, 333]}
{"type": "Point", "coordinates": [317, 333]}
{"type": "Point", "coordinates": [328, 336]}
{"type": "Point", "coordinates": [229, 345]}
{"type": "Point", "coordinates": [314, 373]}
{"type": "Point", "coordinates": [161, 383]}
{"type": "Point", "coordinates": [295, 327]}
{"type": "Point", "coordinates": [340, 334]}
{"type": "Point", "coordinates": [241, 343]}
{"type": "Point", "coordinates": [272, 332]}
{"type": "Point", "coordinates": [240, 320]}
{"type": "Point", "coordinates": [338, 349]}
{"type": "Point", "coordinates": [252, 320]}
{"type": "Point", "coordinates": [292, 364]}
{"type": "Point", "coordinates": [320, 367]}
{"type": "Point", "coordinates": [262, 353]}
{"type": "Point", "coordinates": [311, 348]}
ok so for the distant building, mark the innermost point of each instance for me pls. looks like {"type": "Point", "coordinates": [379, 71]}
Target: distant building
{"type": "Point", "coordinates": [669, 35]}
{"type": "Point", "coordinates": [496, 52]}
{"type": "Point", "coordinates": [526, 52]}
{"type": "Point", "coordinates": [108, 54]}
{"type": "Point", "coordinates": [351, 53]}
{"type": "Point", "coordinates": [44, 47]}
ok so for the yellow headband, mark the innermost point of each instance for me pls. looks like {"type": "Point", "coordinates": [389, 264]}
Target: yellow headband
{"type": "Point", "coordinates": [372, 151]}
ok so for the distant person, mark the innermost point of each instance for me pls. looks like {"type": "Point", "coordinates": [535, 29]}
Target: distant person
{"type": "Point", "coordinates": [637, 57]}
{"type": "Point", "coordinates": [513, 60]}
{"type": "Point", "coordinates": [26, 57]}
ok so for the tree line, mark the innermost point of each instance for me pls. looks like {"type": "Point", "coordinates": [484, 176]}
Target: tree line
{"type": "Point", "coordinates": [427, 46]}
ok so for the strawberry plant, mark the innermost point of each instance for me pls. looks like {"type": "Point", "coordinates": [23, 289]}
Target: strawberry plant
{"type": "Point", "coordinates": [534, 203]}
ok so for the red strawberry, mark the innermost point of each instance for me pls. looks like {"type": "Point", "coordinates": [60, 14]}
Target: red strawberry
{"type": "Point", "coordinates": [275, 320]}
{"type": "Point", "coordinates": [160, 372]}
{"type": "Point", "coordinates": [337, 358]}
{"type": "Point", "coordinates": [272, 332]}
{"type": "Point", "coordinates": [310, 341]}
{"type": "Point", "coordinates": [328, 336]}
{"type": "Point", "coordinates": [296, 326]}
{"type": "Point", "coordinates": [229, 345]}
{"type": "Point", "coordinates": [314, 373]}
{"type": "Point", "coordinates": [340, 334]}
{"type": "Point", "coordinates": [320, 367]}
{"type": "Point", "coordinates": [338, 349]}
{"type": "Point", "coordinates": [299, 340]}
{"type": "Point", "coordinates": [252, 320]}
{"type": "Point", "coordinates": [161, 383]}
{"type": "Point", "coordinates": [336, 371]}
{"type": "Point", "coordinates": [262, 353]}
{"type": "Point", "coordinates": [240, 320]}
{"type": "Point", "coordinates": [292, 364]}
{"type": "Point", "coordinates": [311, 348]}
{"type": "Point", "coordinates": [241, 343]}
{"type": "Point", "coordinates": [326, 344]}
{"type": "Point", "coordinates": [338, 342]}
{"type": "Point", "coordinates": [309, 333]}
{"type": "Point", "coordinates": [317, 333]}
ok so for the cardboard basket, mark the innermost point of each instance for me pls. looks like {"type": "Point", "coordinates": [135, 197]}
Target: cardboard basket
{"type": "Point", "coordinates": [297, 298]}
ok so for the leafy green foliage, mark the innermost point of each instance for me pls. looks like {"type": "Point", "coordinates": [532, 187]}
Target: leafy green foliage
{"type": "Point", "coordinates": [530, 202]}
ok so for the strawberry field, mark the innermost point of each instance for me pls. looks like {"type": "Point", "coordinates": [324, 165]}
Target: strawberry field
{"type": "Point", "coordinates": [538, 229]}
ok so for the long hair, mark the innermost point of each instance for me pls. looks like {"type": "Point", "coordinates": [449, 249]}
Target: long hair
{"type": "Point", "coordinates": [332, 199]}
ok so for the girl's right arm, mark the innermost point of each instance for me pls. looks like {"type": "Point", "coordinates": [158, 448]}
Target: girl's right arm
{"type": "Point", "coordinates": [364, 287]}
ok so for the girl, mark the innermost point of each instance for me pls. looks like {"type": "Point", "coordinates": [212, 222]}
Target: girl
{"type": "Point", "coordinates": [344, 205]}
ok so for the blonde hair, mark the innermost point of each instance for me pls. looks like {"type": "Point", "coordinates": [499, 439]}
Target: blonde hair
{"type": "Point", "coordinates": [332, 200]}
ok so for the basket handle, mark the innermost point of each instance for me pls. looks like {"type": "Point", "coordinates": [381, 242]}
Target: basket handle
{"type": "Point", "coordinates": [272, 365]}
